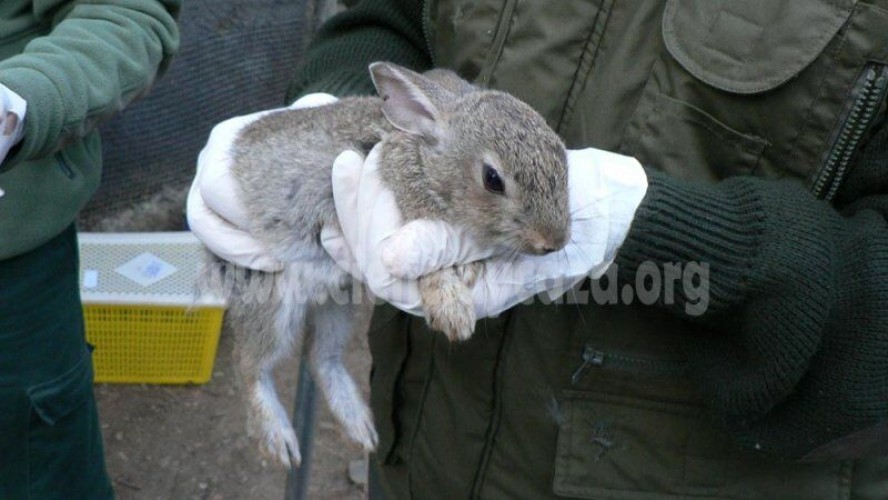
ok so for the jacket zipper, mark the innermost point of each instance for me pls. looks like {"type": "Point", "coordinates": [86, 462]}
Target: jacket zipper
{"type": "Point", "coordinates": [869, 91]}
{"type": "Point", "coordinates": [426, 13]}
{"type": "Point", "coordinates": [64, 167]}
{"type": "Point", "coordinates": [596, 358]}
{"type": "Point", "coordinates": [499, 40]}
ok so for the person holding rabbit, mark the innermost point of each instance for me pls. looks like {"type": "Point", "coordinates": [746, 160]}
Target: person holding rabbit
{"type": "Point", "coordinates": [725, 338]}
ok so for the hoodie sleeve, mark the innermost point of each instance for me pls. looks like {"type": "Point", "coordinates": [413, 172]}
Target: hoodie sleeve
{"type": "Point", "coordinates": [98, 57]}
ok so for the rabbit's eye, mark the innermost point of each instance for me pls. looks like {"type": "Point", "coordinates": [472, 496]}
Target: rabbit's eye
{"type": "Point", "coordinates": [492, 180]}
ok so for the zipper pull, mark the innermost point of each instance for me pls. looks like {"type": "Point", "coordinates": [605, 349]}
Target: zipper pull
{"type": "Point", "coordinates": [591, 357]}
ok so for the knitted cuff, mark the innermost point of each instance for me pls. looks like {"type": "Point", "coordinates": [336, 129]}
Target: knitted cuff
{"type": "Point", "coordinates": [716, 227]}
{"type": "Point", "coordinates": [771, 281]}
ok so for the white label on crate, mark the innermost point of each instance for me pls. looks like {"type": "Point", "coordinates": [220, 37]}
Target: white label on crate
{"type": "Point", "coordinates": [90, 278]}
{"type": "Point", "coordinates": [146, 269]}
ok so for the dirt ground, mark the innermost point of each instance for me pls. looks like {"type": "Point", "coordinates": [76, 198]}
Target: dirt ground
{"type": "Point", "coordinates": [189, 442]}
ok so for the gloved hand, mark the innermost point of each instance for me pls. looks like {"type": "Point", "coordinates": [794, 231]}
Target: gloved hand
{"type": "Point", "coordinates": [12, 120]}
{"type": "Point", "coordinates": [378, 249]}
{"type": "Point", "coordinates": [215, 214]}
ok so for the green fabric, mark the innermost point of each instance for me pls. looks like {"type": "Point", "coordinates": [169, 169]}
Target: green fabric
{"type": "Point", "coordinates": [345, 46]}
{"type": "Point", "coordinates": [796, 287]}
{"type": "Point", "coordinates": [50, 439]}
{"type": "Point", "coordinates": [792, 351]}
{"type": "Point", "coordinates": [758, 45]}
{"type": "Point", "coordinates": [75, 63]}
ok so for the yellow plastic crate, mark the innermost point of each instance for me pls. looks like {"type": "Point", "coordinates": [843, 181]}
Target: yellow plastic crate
{"type": "Point", "coordinates": [141, 311]}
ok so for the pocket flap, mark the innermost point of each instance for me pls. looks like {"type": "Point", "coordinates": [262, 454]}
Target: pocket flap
{"type": "Point", "coordinates": [55, 398]}
{"type": "Point", "coordinates": [751, 46]}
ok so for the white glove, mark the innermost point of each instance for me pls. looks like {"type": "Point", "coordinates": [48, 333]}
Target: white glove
{"type": "Point", "coordinates": [12, 120]}
{"type": "Point", "coordinates": [215, 214]}
{"type": "Point", "coordinates": [375, 247]}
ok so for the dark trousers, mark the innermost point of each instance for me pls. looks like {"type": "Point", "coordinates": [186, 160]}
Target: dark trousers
{"type": "Point", "coordinates": [50, 440]}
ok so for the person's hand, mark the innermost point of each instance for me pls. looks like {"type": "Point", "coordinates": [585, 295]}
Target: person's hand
{"type": "Point", "coordinates": [377, 248]}
{"type": "Point", "coordinates": [356, 242]}
{"type": "Point", "coordinates": [215, 214]}
{"type": "Point", "coordinates": [12, 119]}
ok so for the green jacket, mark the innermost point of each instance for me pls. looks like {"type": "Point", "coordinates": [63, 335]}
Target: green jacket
{"type": "Point", "coordinates": [762, 124]}
{"type": "Point", "coordinates": [75, 63]}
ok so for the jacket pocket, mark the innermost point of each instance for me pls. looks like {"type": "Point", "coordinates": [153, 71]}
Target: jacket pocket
{"type": "Point", "coordinates": [603, 439]}
{"type": "Point", "coordinates": [746, 88]}
{"type": "Point", "coordinates": [750, 47]}
{"type": "Point", "coordinates": [51, 401]}
{"type": "Point", "coordinates": [685, 141]}
{"type": "Point", "coordinates": [48, 436]}
{"type": "Point", "coordinates": [64, 444]}
{"type": "Point", "coordinates": [612, 446]}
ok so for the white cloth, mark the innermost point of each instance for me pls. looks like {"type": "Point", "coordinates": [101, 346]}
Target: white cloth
{"type": "Point", "coordinates": [12, 120]}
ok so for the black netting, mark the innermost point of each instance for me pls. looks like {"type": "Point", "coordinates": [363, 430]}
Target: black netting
{"type": "Point", "coordinates": [236, 57]}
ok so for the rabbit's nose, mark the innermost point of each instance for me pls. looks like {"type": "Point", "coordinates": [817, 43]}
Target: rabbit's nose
{"type": "Point", "coordinates": [545, 247]}
{"type": "Point", "coordinates": [542, 245]}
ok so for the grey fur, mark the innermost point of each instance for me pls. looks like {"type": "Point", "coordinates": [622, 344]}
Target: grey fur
{"type": "Point", "coordinates": [437, 131]}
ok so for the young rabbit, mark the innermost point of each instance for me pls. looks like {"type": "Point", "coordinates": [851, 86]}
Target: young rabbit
{"type": "Point", "coordinates": [475, 158]}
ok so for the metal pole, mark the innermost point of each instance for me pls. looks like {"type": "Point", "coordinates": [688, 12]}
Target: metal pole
{"type": "Point", "coordinates": [304, 415]}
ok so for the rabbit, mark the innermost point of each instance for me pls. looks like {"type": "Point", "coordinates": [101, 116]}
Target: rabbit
{"type": "Point", "coordinates": [477, 158]}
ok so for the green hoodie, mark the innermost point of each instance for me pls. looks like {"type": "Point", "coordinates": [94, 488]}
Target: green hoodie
{"type": "Point", "coordinates": [75, 63]}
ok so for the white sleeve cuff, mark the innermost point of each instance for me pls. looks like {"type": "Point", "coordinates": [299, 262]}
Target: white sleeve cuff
{"type": "Point", "coordinates": [16, 104]}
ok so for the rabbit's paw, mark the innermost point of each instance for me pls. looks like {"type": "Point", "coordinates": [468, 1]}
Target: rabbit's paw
{"type": "Point", "coordinates": [343, 396]}
{"type": "Point", "coordinates": [454, 317]}
{"type": "Point", "coordinates": [361, 430]}
{"type": "Point", "coordinates": [267, 422]}
{"type": "Point", "coordinates": [447, 303]}
{"type": "Point", "coordinates": [278, 442]}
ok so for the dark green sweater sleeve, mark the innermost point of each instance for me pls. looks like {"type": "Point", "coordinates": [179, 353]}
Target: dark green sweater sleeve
{"type": "Point", "coordinates": [373, 30]}
{"type": "Point", "coordinates": [99, 56]}
{"type": "Point", "coordinates": [793, 349]}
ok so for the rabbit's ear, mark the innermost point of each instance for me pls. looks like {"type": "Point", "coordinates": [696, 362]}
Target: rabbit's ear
{"type": "Point", "coordinates": [412, 101]}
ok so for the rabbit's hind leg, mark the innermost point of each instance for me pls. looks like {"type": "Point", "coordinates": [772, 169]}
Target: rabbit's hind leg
{"type": "Point", "coordinates": [332, 326]}
{"type": "Point", "coordinates": [269, 327]}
